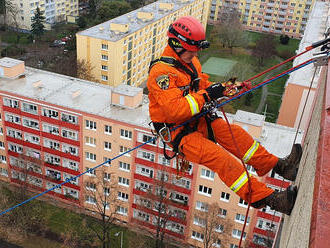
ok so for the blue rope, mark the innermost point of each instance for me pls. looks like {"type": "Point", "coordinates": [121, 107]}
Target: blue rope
{"type": "Point", "coordinates": [128, 151]}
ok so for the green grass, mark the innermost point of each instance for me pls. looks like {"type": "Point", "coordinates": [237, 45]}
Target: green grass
{"type": "Point", "coordinates": [218, 66]}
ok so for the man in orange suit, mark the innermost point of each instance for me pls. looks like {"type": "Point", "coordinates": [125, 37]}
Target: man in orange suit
{"type": "Point", "coordinates": [178, 90]}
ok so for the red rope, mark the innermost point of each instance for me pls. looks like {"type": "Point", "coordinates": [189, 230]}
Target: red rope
{"type": "Point", "coordinates": [247, 173]}
{"type": "Point", "coordinates": [275, 66]}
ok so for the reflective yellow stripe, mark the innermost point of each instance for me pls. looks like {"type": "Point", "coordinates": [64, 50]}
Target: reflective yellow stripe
{"type": "Point", "coordinates": [193, 104]}
{"type": "Point", "coordinates": [248, 155]}
{"type": "Point", "coordinates": [239, 182]}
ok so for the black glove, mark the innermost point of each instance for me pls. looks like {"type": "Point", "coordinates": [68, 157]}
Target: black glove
{"type": "Point", "coordinates": [215, 91]}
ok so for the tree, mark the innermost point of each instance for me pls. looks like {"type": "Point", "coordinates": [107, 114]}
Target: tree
{"type": "Point", "coordinates": [156, 204]}
{"type": "Point", "coordinates": [216, 229]}
{"type": "Point", "coordinates": [94, 6]}
{"type": "Point", "coordinates": [28, 217]}
{"type": "Point", "coordinates": [6, 6]}
{"type": "Point", "coordinates": [84, 70]}
{"type": "Point", "coordinates": [37, 25]}
{"type": "Point", "coordinates": [102, 190]}
{"type": "Point", "coordinates": [265, 48]}
{"type": "Point", "coordinates": [284, 39]}
{"type": "Point", "coordinates": [229, 30]}
{"type": "Point", "coordinates": [82, 23]}
{"type": "Point", "coordinates": [112, 9]}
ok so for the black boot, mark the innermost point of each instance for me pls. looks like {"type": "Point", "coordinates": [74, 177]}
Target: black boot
{"type": "Point", "coordinates": [288, 167]}
{"type": "Point", "coordinates": [279, 201]}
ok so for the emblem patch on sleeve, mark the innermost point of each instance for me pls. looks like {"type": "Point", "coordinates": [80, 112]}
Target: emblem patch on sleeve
{"type": "Point", "coordinates": [163, 82]}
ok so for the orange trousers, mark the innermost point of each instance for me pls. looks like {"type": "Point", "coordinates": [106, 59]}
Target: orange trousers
{"type": "Point", "coordinates": [219, 158]}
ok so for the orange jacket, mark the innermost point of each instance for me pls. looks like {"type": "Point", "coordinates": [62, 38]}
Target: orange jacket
{"type": "Point", "coordinates": [167, 103]}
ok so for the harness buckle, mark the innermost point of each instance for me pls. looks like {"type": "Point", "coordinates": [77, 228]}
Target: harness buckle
{"type": "Point", "coordinates": [165, 132]}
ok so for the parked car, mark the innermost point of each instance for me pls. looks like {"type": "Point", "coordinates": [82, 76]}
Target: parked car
{"type": "Point", "coordinates": [57, 43]}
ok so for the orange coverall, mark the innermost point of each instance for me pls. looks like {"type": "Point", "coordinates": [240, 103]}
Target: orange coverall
{"type": "Point", "coordinates": [168, 105]}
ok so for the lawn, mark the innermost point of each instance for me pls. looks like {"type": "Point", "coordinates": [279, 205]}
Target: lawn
{"type": "Point", "coordinates": [218, 66]}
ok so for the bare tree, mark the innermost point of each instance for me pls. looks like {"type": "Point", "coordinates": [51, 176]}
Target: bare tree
{"type": "Point", "coordinates": [28, 217]}
{"type": "Point", "coordinates": [103, 193]}
{"type": "Point", "coordinates": [265, 48]}
{"type": "Point", "coordinates": [84, 70]}
{"type": "Point", "coordinates": [213, 226]}
{"type": "Point", "coordinates": [156, 207]}
{"type": "Point", "coordinates": [229, 29]}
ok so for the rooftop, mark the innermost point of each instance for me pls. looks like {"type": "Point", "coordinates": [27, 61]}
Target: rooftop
{"type": "Point", "coordinates": [77, 94]}
{"type": "Point", "coordinates": [102, 31]}
{"type": "Point", "coordinates": [9, 62]}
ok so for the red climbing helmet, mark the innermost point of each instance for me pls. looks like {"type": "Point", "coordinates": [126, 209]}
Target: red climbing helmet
{"type": "Point", "coordinates": [189, 32]}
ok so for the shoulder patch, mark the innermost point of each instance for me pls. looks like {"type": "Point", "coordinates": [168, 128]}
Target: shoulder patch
{"type": "Point", "coordinates": [163, 82]}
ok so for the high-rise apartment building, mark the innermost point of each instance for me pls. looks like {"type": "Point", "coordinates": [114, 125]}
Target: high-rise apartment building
{"type": "Point", "coordinates": [54, 11]}
{"type": "Point", "coordinates": [54, 127]}
{"type": "Point", "coordinates": [120, 50]}
{"type": "Point", "coordinates": [274, 16]}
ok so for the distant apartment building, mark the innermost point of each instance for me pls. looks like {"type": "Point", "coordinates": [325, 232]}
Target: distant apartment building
{"type": "Point", "coordinates": [54, 11]}
{"type": "Point", "coordinates": [54, 127]}
{"type": "Point", "coordinates": [272, 16]}
{"type": "Point", "coordinates": [121, 49]}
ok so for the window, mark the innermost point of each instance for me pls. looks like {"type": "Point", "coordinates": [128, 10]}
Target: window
{"type": "Point", "coordinates": [52, 144]}
{"type": "Point", "coordinates": [69, 118]}
{"type": "Point", "coordinates": [208, 174]}
{"type": "Point", "coordinates": [4, 172]}
{"type": "Point", "coordinates": [204, 190]}
{"type": "Point", "coordinates": [3, 159]}
{"type": "Point", "coordinates": [30, 123]}
{"type": "Point", "coordinates": [107, 129]}
{"type": "Point", "coordinates": [122, 196]}
{"type": "Point", "coordinates": [104, 57]}
{"type": "Point", "coordinates": [125, 134]}
{"type": "Point", "coordinates": [29, 108]}
{"type": "Point", "coordinates": [106, 191]}
{"type": "Point", "coordinates": [90, 199]}
{"type": "Point", "coordinates": [233, 246]}
{"type": "Point", "coordinates": [107, 176]}
{"type": "Point", "coordinates": [90, 172]}
{"type": "Point", "coordinates": [124, 166]}
{"type": "Point", "coordinates": [91, 186]}
{"type": "Point", "coordinates": [121, 210]}
{"type": "Point", "coordinates": [50, 129]}
{"type": "Point", "coordinates": [70, 134]}
{"type": "Point", "coordinates": [73, 165]}
{"type": "Point", "coordinates": [123, 181]}
{"type": "Point", "coordinates": [242, 203]}
{"type": "Point", "coordinates": [90, 141]}
{"type": "Point", "coordinates": [104, 78]}
{"type": "Point", "coordinates": [237, 234]}
{"type": "Point", "coordinates": [13, 118]}
{"type": "Point", "coordinates": [123, 149]}
{"type": "Point", "coordinates": [104, 47]}
{"type": "Point", "coordinates": [219, 228]}
{"type": "Point", "coordinates": [146, 138]}
{"type": "Point", "coordinates": [199, 221]}
{"type": "Point", "coordinates": [90, 125]}
{"type": "Point", "coordinates": [107, 160]}
{"type": "Point", "coordinates": [90, 156]}
{"type": "Point", "coordinates": [104, 67]}
{"type": "Point", "coordinates": [52, 159]}
{"type": "Point", "coordinates": [50, 113]}
{"type": "Point", "coordinates": [222, 212]}
{"type": "Point", "coordinates": [197, 235]}
{"type": "Point", "coordinates": [203, 206]}
{"type": "Point", "coordinates": [107, 146]}
{"type": "Point", "coordinates": [70, 149]}
{"type": "Point", "coordinates": [145, 171]}
{"type": "Point", "coordinates": [2, 145]}
{"type": "Point", "coordinates": [15, 133]}
{"type": "Point", "coordinates": [10, 103]}
{"type": "Point", "coordinates": [146, 155]}
{"type": "Point", "coordinates": [240, 218]}
{"type": "Point", "coordinates": [224, 196]}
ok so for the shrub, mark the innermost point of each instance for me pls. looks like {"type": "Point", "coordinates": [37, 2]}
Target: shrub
{"type": "Point", "coordinates": [251, 45]}
{"type": "Point", "coordinates": [12, 51]}
{"type": "Point", "coordinates": [284, 39]}
{"type": "Point", "coordinates": [285, 54]}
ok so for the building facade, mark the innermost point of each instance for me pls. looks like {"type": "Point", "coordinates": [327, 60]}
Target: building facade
{"type": "Point", "coordinates": [54, 127]}
{"type": "Point", "coordinates": [272, 16]}
{"type": "Point", "coordinates": [120, 50]}
{"type": "Point", "coordinates": [53, 10]}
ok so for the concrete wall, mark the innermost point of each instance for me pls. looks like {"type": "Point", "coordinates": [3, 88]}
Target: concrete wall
{"type": "Point", "coordinates": [296, 228]}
